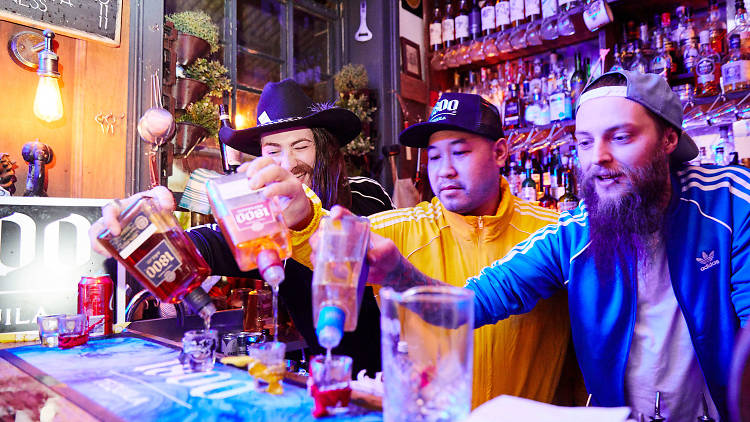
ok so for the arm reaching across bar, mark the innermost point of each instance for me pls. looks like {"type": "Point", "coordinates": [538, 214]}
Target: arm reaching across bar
{"type": "Point", "coordinates": [533, 270]}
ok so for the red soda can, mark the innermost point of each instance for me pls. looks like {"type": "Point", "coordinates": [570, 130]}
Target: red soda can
{"type": "Point", "coordinates": [95, 299]}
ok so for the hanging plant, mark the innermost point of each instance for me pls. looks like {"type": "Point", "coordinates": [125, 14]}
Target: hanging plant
{"type": "Point", "coordinates": [203, 113]}
{"type": "Point", "coordinates": [197, 23]}
{"type": "Point", "coordinates": [212, 73]}
{"type": "Point", "coordinates": [351, 77]}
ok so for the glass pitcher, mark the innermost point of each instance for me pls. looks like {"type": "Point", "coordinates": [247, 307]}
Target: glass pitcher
{"type": "Point", "coordinates": [427, 344]}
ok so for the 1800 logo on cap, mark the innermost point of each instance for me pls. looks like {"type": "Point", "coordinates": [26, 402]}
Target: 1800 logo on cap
{"type": "Point", "coordinates": [442, 109]}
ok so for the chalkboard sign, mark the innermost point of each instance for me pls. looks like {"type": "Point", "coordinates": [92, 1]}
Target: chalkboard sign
{"type": "Point", "coordinates": [44, 252]}
{"type": "Point", "coordinates": [96, 20]}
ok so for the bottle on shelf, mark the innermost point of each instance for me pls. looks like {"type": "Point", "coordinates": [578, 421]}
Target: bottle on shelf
{"type": "Point", "coordinates": [533, 16]}
{"type": "Point", "coordinates": [489, 23]}
{"type": "Point", "coordinates": [639, 63]}
{"type": "Point", "coordinates": [545, 114]}
{"type": "Point", "coordinates": [517, 36]}
{"type": "Point", "coordinates": [476, 48]}
{"type": "Point", "coordinates": [708, 69]}
{"type": "Point", "coordinates": [449, 35]}
{"type": "Point", "coordinates": [560, 102]}
{"type": "Point", "coordinates": [661, 63]}
{"type": "Point", "coordinates": [436, 38]}
{"type": "Point", "coordinates": [568, 5]}
{"type": "Point", "coordinates": [577, 79]}
{"type": "Point", "coordinates": [502, 15]}
{"type": "Point", "coordinates": [547, 200]}
{"type": "Point", "coordinates": [549, 20]}
{"type": "Point", "coordinates": [735, 71]}
{"type": "Point", "coordinates": [617, 65]}
{"type": "Point", "coordinates": [670, 47]}
{"type": "Point", "coordinates": [717, 29]}
{"type": "Point", "coordinates": [568, 200]}
{"type": "Point", "coordinates": [528, 186]}
{"type": "Point", "coordinates": [517, 13]}
{"type": "Point", "coordinates": [463, 39]}
{"type": "Point", "coordinates": [512, 108]}
{"type": "Point", "coordinates": [689, 43]}
{"type": "Point", "coordinates": [742, 26]}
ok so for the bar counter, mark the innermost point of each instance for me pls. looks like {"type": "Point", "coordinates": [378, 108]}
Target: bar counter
{"type": "Point", "coordinates": [135, 375]}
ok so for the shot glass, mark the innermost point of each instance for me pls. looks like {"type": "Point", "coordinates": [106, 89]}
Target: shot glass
{"type": "Point", "coordinates": [199, 350]}
{"type": "Point", "coordinates": [49, 329]}
{"type": "Point", "coordinates": [268, 364]}
{"type": "Point", "coordinates": [73, 330]}
{"type": "Point", "coordinates": [329, 384]}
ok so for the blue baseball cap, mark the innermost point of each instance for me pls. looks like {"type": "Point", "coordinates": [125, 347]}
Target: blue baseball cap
{"type": "Point", "coordinates": [455, 111]}
{"type": "Point", "coordinates": [652, 92]}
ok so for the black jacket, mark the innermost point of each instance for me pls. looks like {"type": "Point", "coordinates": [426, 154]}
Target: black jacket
{"type": "Point", "coordinates": [363, 344]}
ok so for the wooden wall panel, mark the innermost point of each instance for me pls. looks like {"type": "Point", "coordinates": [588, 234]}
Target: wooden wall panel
{"type": "Point", "coordinates": [88, 163]}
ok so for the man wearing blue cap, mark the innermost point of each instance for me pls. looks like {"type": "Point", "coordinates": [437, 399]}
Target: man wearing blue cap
{"type": "Point", "coordinates": [655, 259]}
{"type": "Point", "coordinates": [472, 220]}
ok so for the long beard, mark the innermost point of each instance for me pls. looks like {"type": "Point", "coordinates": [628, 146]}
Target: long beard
{"type": "Point", "coordinates": [620, 228]}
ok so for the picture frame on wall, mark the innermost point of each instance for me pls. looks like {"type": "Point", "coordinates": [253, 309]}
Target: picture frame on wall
{"type": "Point", "coordinates": [411, 58]}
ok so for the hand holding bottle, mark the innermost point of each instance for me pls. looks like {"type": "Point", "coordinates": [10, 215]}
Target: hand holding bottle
{"type": "Point", "coordinates": [111, 211]}
{"type": "Point", "coordinates": [265, 174]}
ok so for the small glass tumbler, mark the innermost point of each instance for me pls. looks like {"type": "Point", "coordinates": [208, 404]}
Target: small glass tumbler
{"type": "Point", "coordinates": [199, 350]}
{"type": "Point", "coordinates": [73, 330]}
{"type": "Point", "coordinates": [329, 384]}
{"type": "Point", "coordinates": [268, 364]}
{"type": "Point", "coordinates": [49, 329]}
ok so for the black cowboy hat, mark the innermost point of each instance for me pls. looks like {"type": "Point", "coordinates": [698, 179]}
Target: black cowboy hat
{"type": "Point", "coordinates": [285, 105]}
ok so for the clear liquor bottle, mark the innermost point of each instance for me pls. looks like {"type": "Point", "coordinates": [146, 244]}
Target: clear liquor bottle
{"type": "Point", "coordinates": [640, 62]}
{"type": "Point", "coordinates": [717, 29]}
{"type": "Point", "coordinates": [735, 71]}
{"type": "Point", "coordinates": [661, 63]}
{"type": "Point", "coordinates": [708, 69]}
{"type": "Point", "coordinates": [742, 26]}
{"type": "Point", "coordinates": [617, 65]}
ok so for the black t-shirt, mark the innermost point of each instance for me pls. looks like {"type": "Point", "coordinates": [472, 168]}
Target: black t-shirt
{"type": "Point", "coordinates": [363, 344]}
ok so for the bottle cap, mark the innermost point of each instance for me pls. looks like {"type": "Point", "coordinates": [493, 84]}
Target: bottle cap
{"type": "Point", "coordinates": [270, 267]}
{"type": "Point", "coordinates": [330, 326]}
{"type": "Point", "coordinates": [200, 302]}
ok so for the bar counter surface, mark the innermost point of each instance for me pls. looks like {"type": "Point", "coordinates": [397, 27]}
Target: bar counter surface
{"type": "Point", "coordinates": [130, 376]}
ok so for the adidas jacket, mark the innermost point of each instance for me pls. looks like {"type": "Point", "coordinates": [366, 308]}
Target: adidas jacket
{"type": "Point", "coordinates": [523, 355]}
{"type": "Point", "coordinates": [708, 250]}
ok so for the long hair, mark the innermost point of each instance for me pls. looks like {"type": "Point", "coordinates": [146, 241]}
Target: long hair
{"type": "Point", "coordinates": [329, 179]}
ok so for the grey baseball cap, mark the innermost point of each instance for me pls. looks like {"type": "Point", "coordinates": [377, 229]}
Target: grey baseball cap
{"type": "Point", "coordinates": [653, 92]}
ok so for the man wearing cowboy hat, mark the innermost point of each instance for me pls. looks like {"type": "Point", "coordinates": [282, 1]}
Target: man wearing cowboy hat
{"type": "Point", "coordinates": [655, 260]}
{"type": "Point", "coordinates": [473, 220]}
{"type": "Point", "coordinates": [302, 140]}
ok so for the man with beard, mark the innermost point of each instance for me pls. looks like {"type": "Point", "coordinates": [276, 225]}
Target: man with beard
{"type": "Point", "coordinates": [473, 220]}
{"type": "Point", "coordinates": [304, 139]}
{"type": "Point", "coordinates": [654, 260]}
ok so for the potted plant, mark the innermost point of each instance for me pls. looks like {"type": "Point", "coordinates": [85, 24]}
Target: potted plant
{"type": "Point", "coordinates": [199, 121]}
{"type": "Point", "coordinates": [213, 74]}
{"type": "Point", "coordinates": [198, 35]}
{"type": "Point", "coordinates": [351, 83]}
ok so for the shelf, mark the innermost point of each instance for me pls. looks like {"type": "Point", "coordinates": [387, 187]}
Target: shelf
{"type": "Point", "coordinates": [624, 10]}
{"type": "Point", "coordinates": [562, 124]}
{"type": "Point", "coordinates": [581, 34]}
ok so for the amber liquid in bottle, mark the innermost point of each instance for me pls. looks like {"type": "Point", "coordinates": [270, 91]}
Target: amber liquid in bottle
{"type": "Point", "coordinates": [166, 262]}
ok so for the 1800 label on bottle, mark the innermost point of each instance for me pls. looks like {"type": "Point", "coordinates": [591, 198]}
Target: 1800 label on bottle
{"type": "Point", "coordinates": [253, 216]}
{"type": "Point", "coordinates": [160, 264]}
{"type": "Point", "coordinates": [137, 231]}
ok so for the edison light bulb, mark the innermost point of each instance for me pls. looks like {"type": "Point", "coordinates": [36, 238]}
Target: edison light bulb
{"type": "Point", "coordinates": [48, 102]}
